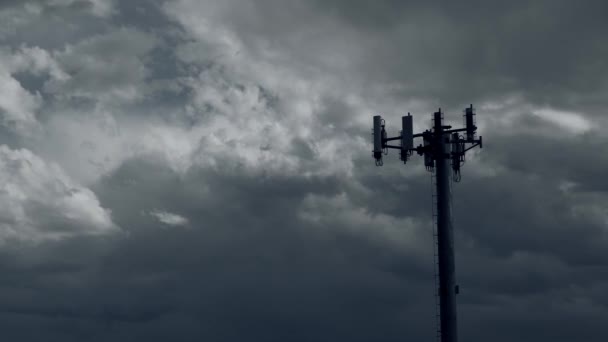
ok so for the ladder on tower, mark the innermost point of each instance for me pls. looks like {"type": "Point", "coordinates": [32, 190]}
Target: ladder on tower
{"type": "Point", "coordinates": [435, 255]}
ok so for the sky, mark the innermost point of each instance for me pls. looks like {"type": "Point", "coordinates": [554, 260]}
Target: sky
{"type": "Point", "coordinates": [201, 170]}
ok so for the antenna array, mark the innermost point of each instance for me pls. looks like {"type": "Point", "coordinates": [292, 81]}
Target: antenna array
{"type": "Point", "coordinates": [444, 152]}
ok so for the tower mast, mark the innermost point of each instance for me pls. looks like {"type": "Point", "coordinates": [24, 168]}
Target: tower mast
{"type": "Point", "coordinates": [440, 146]}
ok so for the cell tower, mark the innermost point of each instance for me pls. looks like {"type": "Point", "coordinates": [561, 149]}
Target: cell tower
{"type": "Point", "coordinates": [439, 146]}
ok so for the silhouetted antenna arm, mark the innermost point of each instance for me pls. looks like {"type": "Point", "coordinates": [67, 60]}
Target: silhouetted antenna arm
{"type": "Point", "coordinates": [391, 139]}
{"type": "Point", "coordinates": [456, 130]}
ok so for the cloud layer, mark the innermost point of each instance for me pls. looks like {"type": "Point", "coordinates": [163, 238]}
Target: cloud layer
{"type": "Point", "coordinates": [201, 170]}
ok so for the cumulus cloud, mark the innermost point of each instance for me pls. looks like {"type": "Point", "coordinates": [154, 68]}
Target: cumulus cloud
{"type": "Point", "coordinates": [40, 202]}
{"type": "Point", "coordinates": [107, 66]}
{"type": "Point", "coordinates": [18, 106]}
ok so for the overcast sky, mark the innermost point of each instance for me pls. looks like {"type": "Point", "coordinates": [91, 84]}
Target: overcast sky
{"type": "Point", "coordinates": [201, 170]}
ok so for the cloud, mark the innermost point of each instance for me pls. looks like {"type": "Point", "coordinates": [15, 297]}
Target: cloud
{"type": "Point", "coordinates": [96, 7]}
{"type": "Point", "coordinates": [169, 218]}
{"type": "Point", "coordinates": [434, 52]}
{"type": "Point", "coordinates": [104, 67]}
{"type": "Point", "coordinates": [573, 122]}
{"type": "Point", "coordinates": [18, 106]}
{"type": "Point", "coordinates": [41, 202]}
{"type": "Point", "coordinates": [251, 120]}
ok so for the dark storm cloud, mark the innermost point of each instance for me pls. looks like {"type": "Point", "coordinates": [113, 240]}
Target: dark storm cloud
{"type": "Point", "coordinates": [550, 51]}
{"type": "Point", "coordinates": [576, 159]}
{"type": "Point", "coordinates": [247, 267]}
{"type": "Point", "coordinates": [229, 143]}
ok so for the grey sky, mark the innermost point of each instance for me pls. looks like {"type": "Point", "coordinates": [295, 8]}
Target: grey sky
{"type": "Point", "coordinates": [194, 170]}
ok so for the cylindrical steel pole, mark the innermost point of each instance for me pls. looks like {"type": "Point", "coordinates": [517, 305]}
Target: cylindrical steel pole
{"type": "Point", "coordinates": [445, 238]}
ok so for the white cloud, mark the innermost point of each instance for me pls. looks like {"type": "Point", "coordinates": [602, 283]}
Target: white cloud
{"type": "Point", "coordinates": [107, 67]}
{"type": "Point", "coordinates": [514, 114]}
{"type": "Point", "coordinates": [569, 121]}
{"type": "Point", "coordinates": [240, 121]}
{"type": "Point", "coordinates": [38, 201]}
{"type": "Point", "coordinates": [18, 106]}
{"type": "Point", "coordinates": [338, 212]}
{"type": "Point", "coordinates": [245, 126]}
{"type": "Point", "coordinates": [101, 8]}
{"type": "Point", "coordinates": [169, 218]}
{"type": "Point", "coordinates": [37, 61]}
